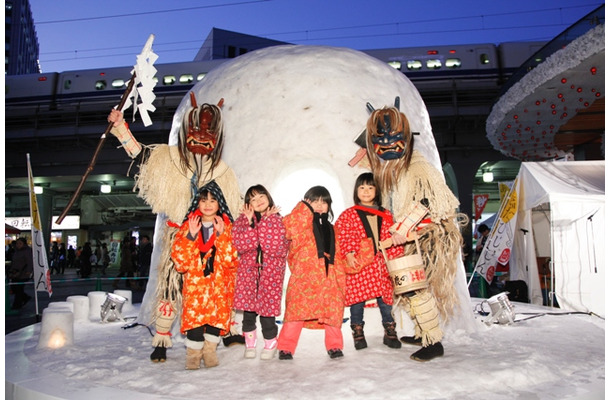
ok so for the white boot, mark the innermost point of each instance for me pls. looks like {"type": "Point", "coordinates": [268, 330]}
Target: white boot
{"type": "Point", "coordinates": [270, 349]}
{"type": "Point", "coordinates": [250, 344]}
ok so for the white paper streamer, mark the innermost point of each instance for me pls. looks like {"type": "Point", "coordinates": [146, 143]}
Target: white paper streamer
{"type": "Point", "coordinates": [144, 83]}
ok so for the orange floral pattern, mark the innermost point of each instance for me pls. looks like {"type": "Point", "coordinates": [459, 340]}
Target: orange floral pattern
{"type": "Point", "coordinates": [205, 299]}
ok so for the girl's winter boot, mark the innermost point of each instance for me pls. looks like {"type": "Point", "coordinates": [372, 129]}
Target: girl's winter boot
{"type": "Point", "coordinates": [390, 338]}
{"type": "Point", "coordinates": [270, 349]}
{"type": "Point", "coordinates": [250, 338]}
{"type": "Point", "coordinates": [193, 358]}
{"type": "Point", "coordinates": [210, 359]}
{"type": "Point", "coordinates": [358, 335]}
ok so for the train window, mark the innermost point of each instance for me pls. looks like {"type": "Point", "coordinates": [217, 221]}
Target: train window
{"type": "Point", "coordinates": [169, 80]}
{"type": "Point", "coordinates": [395, 64]}
{"type": "Point", "coordinates": [433, 64]}
{"type": "Point", "coordinates": [186, 78]}
{"type": "Point", "coordinates": [67, 84]}
{"type": "Point", "coordinates": [118, 83]}
{"type": "Point", "coordinates": [453, 63]}
{"type": "Point", "coordinates": [414, 64]}
{"type": "Point", "coordinates": [484, 58]}
{"type": "Point", "coordinates": [200, 76]}
{"type": "Point", "coordinates": [100, 85]}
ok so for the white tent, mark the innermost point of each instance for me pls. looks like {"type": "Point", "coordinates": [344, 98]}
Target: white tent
{"type": "Point", "coordinates": [561, 215]}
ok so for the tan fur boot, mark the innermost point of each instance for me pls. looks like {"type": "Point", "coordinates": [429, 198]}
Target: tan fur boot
{"type": "Point", "coordinates": [193, 358]}
{"type": "Point", "coordinates": [210, 359]}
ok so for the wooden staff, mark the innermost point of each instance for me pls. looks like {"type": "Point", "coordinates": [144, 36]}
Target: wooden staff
{"type": "Point", "coordinates": [97, 151]}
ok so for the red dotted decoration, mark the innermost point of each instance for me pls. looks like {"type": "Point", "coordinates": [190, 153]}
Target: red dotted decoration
{"type": "Point", "coordinates": [579, 90]}
{"type": "Point", "coordinates": [563, 80]}
{"type": "Point", "coordinates": [553, 106]}
{"type": "Point", "coordinates": [593, 70]}
{"type": "Point", "coordinates": [560, 95]}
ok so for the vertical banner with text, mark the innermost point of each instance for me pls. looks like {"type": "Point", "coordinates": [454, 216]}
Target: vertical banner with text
{"type": "Point", "coordinates": [500, 242]}
{"type": "Point", "coordinates": [42, 274]}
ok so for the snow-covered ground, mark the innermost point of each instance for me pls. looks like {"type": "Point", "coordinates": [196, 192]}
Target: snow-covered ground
{"type": "Point", "coordinates": [543, 357]}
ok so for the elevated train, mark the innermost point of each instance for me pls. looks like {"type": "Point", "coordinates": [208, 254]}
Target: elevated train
{"type": "Point", "coordinates": [426, 67]}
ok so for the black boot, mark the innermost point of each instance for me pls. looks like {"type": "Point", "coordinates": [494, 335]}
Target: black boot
{"type": "Point", "coordinates": [158, 354]}
{"type": "Point", "coordinates": [232, 339]}
{"type": "Point", "coordinates": [389, 338]}
{"type": "Point", "coordinates": [358, 334]}
{"type": "Point", "coordinates": [429, 352]}
{"type": "Point", "coordinates": [411, 340]}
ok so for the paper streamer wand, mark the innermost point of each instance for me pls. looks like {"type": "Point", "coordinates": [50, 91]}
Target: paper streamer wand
{"type": "Point", "coordinates": [126, 95]}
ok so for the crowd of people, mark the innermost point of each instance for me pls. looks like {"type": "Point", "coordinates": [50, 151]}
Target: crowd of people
{"type": "Point", "coordinates": [135, 261]}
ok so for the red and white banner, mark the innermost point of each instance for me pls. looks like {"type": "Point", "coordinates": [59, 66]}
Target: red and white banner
{"type": "Point", "coordinates": [480, 201]}
{"type": "Point", "coordinates": [500, 242]}
{"type": "Point", "coordinates": [42, 275]}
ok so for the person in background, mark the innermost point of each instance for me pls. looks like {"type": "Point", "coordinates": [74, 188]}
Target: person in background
{"type": "Point", "coordinates": [20, 272]}
{"type": "Point", "coordinates": [144, 255]}
{"type": "Point", "coordinates": [127, 266]}
{"type": "Point", "coordinates": [360, 228]}
{"type": "Point", "coordinates": [104, 258]}
{"type": "Point", "coordinates": [483, 231]}
{"type": "Point", "coordinates": [62, 258]}
{"type": "Point", "coordinates": [315, 293]}
{"type": "Point", "coordinates": [71, 256]}
{"type": "Point", "coordinates": [260, 239]}
{"type": "Point", "coordinates": [54, 258]}
{"type": "Point", "coordinates": [85, 260]}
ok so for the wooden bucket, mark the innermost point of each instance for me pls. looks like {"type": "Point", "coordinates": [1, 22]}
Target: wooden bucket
{"type": "Point", "coordinates": [407, 272]}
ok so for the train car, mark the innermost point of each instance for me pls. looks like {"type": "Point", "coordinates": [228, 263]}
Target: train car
{"type": "Point", "coordinates": [30, 88]}
{"type": "Point", "coordinates": [100, 84]}
{"type": "Point", "coordinates": [434, 68]}
{"type": "Point", "coordinates": [513, 54]}
{"type": "Point", "coordinates": [112, 82]}
{"type": "Point", "coordinates": [432, 62]}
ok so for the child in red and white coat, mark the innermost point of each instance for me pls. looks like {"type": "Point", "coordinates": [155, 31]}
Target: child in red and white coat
{"type": "Point", "coordinates": [203, 252]}
{"type": "Point", "coordinates": [360, 228]}
{"type": "Point", "coordinates": [315, 293]}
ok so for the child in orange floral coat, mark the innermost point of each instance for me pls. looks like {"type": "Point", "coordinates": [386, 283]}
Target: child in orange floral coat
{"type": "Point", "coordinates": [203, 252]}
{"type": "Point", "coordinates": [315, 293]}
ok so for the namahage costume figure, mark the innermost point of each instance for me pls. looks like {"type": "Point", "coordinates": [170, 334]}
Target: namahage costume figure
{"type": "Point", "coordinates": [169, 180]}
{"type": "Point", "coordinates": [406, 178]}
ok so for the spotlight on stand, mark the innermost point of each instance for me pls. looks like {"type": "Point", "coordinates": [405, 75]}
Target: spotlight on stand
{"type": "Point", "coordinates": [112, 307]}
{"type": "Point", "coordinates": [502, 311]}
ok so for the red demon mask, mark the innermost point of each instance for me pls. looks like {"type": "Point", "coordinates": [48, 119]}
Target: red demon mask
{"type": "Point", "coordinates": [204, 125]}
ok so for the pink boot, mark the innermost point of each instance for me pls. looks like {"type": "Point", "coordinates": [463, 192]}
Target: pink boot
{"type": "Point", "coordinates": [250, 344]}
{"type": "Point", "coordinates": [270, 349]}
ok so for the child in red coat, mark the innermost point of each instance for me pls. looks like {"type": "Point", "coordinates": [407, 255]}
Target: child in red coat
{"type": "Point", "coordinates": [315, 294]}
{"type": "Point", "coordinates": [360, 229]}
